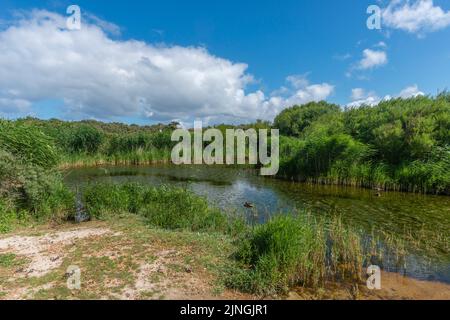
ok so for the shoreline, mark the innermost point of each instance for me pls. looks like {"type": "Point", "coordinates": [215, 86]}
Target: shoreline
{"type": "Point", "coordinates": [320, 182]}
{"type": "Point", "coordinates": [130, 261]}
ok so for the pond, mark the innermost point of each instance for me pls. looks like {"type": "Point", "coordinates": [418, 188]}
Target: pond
{"type": "Point", "coordinates": [422, 222]}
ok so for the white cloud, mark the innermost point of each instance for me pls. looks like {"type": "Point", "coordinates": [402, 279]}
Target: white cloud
{"type": "Point", "coordinates": [357, 94]}
{"type": "Point", "coordinates": [381, 44]}
{"type": "Point", "coordinates": [104, 25]}
{"type": "Point", "coordinates": [360, 97]}
{"type": "Point", "coordinates": [372, 59]}
{"type": "Point", "coordinates": [410, 92]}
{"type": "Point", "coordinates": [298, 81]}
{"type": "Point", "coordinates": [96, 76]}
{"type": "Point", "coordinates": [420, 16]}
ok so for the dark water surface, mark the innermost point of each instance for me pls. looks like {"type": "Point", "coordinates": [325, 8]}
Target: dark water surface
{"type": "Point", "coordinates": [420, 219]}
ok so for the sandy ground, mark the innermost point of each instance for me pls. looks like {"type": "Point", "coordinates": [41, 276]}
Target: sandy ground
{"type": "Point", "coordinates": [45, 252]}
{"type": "Point", "coordinates": [396, 286]}
{"type": "Point", "coordinates": [166, 275]}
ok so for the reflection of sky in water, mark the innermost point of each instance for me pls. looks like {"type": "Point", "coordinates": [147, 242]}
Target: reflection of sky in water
{"type": "Point", "coordinates": [229, 189]}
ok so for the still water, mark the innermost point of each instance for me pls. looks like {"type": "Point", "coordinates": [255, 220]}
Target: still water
{"type": "Point", "coordinates": [420, 219]}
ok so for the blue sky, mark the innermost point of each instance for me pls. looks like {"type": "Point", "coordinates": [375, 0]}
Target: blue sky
{"type": "Point", "coordinates": [295, 51]}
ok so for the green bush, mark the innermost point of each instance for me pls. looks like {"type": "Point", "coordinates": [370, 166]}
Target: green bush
{"type": "Point", "coordinates": [293, 121]}
{"type": "Point", "coordinates": [101, 200]}
{"type": "Point", "coordinates": [174, 208]}
{"type": "Point", "coordinates": [390, 145]}
{"type": "Point", "coordinates": [85, 139]}
{"type": "Point", "coordinates": [165, 207]}
{"type": "Point", "coordinates": [7, 216]}
{"type": "Point", "coordinates": [37, 190]}
{"type": "Point", "coordinates": [295, 250]}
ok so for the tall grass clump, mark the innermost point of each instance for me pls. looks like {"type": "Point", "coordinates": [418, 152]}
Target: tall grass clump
{"type": "Point", "coordinates": [29, 184]}
{"type": "Point", "coordinates": [165, 207]}
{"type": "Point", "coordinates": [28, 144]}
{"type": "Point", "coordinates": [295, 251]}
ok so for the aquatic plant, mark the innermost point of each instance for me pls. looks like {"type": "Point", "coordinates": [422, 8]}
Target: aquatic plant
{"type": "Point", "coordinates": [295, 250]}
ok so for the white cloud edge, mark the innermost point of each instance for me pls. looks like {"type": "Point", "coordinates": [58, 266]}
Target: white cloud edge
{"type": "Point", "coordinates": [416, 17]}
{"type": "Point", "coordinates": [360, 97]}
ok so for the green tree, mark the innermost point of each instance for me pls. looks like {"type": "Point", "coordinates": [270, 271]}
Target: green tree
{"type": "Point", "coordinates": [85, 139]}
{"type": "Point", "coordinates": [293, 121]}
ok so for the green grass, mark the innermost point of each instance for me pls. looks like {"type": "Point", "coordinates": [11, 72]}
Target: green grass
{"type": "Point", "coordinates": [165, 207]}
{"type": "Point", "coordinates": [9, 260]}
{"type": "Point", "coordinates": [28, 144]}
{"type": "Point", "coordinates": [292, 251]}
{"type": "Point", "coordinates": [135, 157]}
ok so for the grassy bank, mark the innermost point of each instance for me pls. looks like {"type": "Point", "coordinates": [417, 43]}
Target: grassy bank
{"type": "Point", "coordinates": [131, 158]}
{"type": "Point", "coordinates": [288, 251]}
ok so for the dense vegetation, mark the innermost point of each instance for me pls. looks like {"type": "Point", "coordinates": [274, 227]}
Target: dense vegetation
{"type": "Point", "coordinates": [165, 207]}
{"type": "Point", "coordinates": [30, 185]}
{"type": "Point", "coordinates": [401, 144]}
{"type": "Point", "coordinates": [83, 143]}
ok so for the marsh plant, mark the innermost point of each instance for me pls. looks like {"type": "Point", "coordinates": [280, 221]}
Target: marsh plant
{"type": "Point", "coordinates": [232, 150]}
{"type": "Point", "coordinates": [30, 186]}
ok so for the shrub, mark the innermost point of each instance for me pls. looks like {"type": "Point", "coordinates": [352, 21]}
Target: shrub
{"type": "Point", "coordinates": [37, 190]}
{"type": "Point", "coordinates": [295, 250]}
{"type": "Point", "coordinates": [7, 216]}
{"type": "Point", "coordinates": [165, 207]}
{"type": "Point", "coordinates": [175, 208]}
{"type": "Point", "coordinates": [85, 139]}
{"type": "Point", "coordinates": [101, 200]}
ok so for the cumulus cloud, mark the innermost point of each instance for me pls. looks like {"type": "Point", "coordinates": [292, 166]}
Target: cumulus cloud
{"type": "Point", "coordinates": [372, 59]}
{"type": "Point", "coordinates": [97, 76]}
{"type": "Point", "coordinates": [359, 96]}
{"type": "Point", "coordinates": [420, 16]}
{"type": "Point", "coordinates": [410, 92]}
